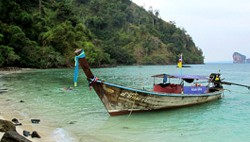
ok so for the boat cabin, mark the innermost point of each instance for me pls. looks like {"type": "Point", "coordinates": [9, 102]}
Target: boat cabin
{"type": "Point", "coordinates": [183, 84]}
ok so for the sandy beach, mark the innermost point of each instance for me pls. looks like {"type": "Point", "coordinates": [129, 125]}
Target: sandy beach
{"type": "Point", "coordinates": [8, 112]}
{"type": "Point", "coordinates": [11, 70]}
{"type": "Point", "coordinates": [41, 128]}
{"type": "Point", "coordinates": [24, 127]}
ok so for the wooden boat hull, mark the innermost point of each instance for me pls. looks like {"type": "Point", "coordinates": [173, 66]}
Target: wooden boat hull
{"type": "Point", "coordinates": [123, 100]}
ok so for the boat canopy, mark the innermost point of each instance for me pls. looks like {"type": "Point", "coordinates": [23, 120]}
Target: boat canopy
{"type": "Point", "coordinates": [184, 77]}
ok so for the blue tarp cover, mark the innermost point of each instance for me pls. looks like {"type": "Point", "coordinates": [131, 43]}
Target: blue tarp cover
{"type": "Point", "coordinates": [183, 76]}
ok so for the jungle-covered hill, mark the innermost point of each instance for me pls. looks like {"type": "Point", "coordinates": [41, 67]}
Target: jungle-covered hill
{"type": "Point", "coordinates": [45, 33]}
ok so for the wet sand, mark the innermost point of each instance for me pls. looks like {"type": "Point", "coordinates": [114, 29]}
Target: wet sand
{"type": "Point", "coordinates": [8, 112]}
{"type": "Point", "coordinates": [20, 130]}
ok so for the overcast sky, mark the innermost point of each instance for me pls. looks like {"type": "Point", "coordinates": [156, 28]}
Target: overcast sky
{"type": "Point", "coordinates": [218, 27]}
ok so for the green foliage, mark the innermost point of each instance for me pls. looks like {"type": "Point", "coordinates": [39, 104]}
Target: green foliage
{"type": "Point", "coordinates": [44, 34]}
{"type": "Point", "coordinates": [7, 56]}
{"type": "Point", "coordinates": [1, 37]}
{"type": "Point", "coordinates": [49, 58]}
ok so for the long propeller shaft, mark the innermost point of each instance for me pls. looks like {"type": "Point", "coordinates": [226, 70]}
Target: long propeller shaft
{"type": "Point", "coordinates": [237, 84]}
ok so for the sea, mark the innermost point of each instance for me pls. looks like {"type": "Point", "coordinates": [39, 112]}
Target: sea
{"type": "Point", "coordinates": [78, 115]}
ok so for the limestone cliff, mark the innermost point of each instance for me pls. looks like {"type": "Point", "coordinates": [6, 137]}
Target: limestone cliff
{"type": "Point", "coordinates": [238, 58]}
{"type": "Point", "coordinates": [248, 60]}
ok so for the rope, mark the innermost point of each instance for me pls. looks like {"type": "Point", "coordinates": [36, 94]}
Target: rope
{"type": "Point", "coordinates": [131, 109]}
{"type": "Point", "coordinates": [125, 119]}
{"type": "Point", "coordinates": [92, 81]}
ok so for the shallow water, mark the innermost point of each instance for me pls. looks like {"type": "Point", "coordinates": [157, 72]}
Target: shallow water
{"type": "Point", "coordinates": [79, 115]}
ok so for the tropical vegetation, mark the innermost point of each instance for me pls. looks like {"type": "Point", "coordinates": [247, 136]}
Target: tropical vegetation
{"type": "Point", "coordinates": [45, 33]}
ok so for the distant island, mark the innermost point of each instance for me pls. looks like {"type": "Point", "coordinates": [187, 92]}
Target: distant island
{"type": "Point", "coordinates": [240, 58]}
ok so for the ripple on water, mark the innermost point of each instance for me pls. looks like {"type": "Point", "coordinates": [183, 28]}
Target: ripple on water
{"type": "Point", "coordinates": [79, 115]}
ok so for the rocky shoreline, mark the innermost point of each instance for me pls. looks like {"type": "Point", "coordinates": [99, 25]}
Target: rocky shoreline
{"type": "Point", "coordinates": [11, 130]}
{"type": "Point", "coordinates": [23, 130]}
{"type": "Point", "coordinates": [11, 134]}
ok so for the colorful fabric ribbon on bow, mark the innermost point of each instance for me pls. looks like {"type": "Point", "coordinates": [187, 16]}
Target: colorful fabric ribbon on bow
{"type": "Point", "coordinates": [81, 55]}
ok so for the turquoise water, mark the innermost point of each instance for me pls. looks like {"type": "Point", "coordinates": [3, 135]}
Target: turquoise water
{"type": "Point", "coordinates": [79, 115]}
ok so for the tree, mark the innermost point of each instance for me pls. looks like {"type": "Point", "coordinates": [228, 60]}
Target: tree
{"type": "Point", "coordinates": [44, 34]}
{"type": "Point", "coordinates": [7, 56]}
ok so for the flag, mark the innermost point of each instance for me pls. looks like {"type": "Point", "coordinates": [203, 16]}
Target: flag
{"type": "Point", "coordinates": [180, 61]}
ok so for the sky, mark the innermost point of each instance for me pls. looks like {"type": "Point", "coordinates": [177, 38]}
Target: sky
{"type": "Point", "coordinates": [218, 27]}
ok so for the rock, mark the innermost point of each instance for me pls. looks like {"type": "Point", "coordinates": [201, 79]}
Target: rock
{"type": "Point", "coordinates": [26, 133]}
{"type": "Point", "coordinates": [36, 121]}
{"type": "Point", "coordinates": [3, 90]}
{"type": "Point", "coordinates": [72, 122]}
{"type": "Point", "coordinates": [6, 126]}
{"type": "Point", "coordinates": [13, 136]}
{"type": "Point", "coordinates": [16, 122]}
{"type": "Point", "coordinates": [238, 58]}
{"type": "Point", "coordinates": [35, 135]}
{"type": "Point", "coordinates": [21, 101]}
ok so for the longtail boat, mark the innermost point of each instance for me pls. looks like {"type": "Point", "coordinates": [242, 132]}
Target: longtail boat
{"type": "Point", "coordinates": [119, 99]}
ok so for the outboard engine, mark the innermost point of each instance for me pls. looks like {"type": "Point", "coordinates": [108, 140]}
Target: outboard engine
{"type": "Point", "coordinates": [215, 79]}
